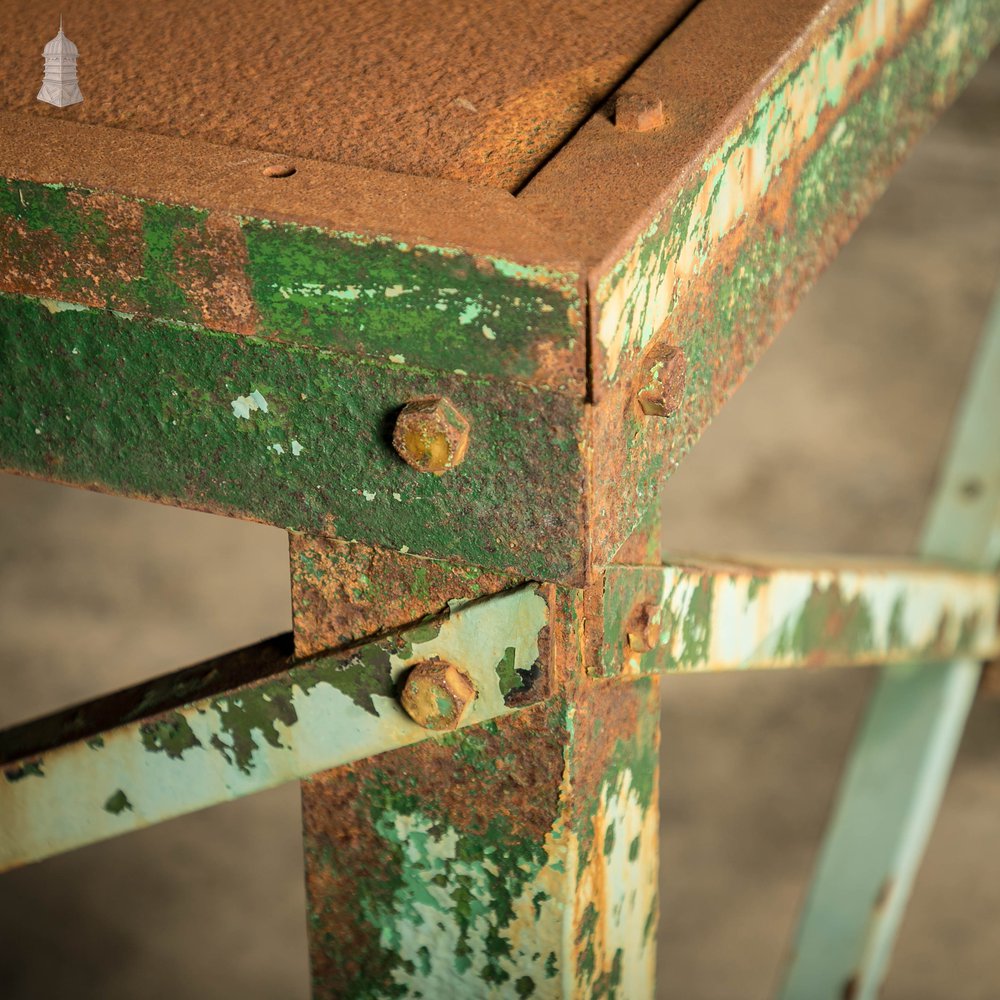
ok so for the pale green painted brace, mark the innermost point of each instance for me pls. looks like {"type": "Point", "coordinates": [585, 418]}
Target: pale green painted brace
{"type": "Point", "coordinates": [731, 616]}
{"type": "Point", "coordinates": [900, 763]}
{"type": "Point", "coordinates": [327, 712]}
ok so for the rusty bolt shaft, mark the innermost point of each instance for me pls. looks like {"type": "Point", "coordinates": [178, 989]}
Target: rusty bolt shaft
{"type": "Point", "coordinates": [638, 112]}
{"type": "Point", "coordinates": [437, 694]}
{"type": "Point", "coordinates": [644, 627]}
{"type": "Point", "coordinates": [431, 435]}
{"type": "Point", "coordinates": [666, 379]}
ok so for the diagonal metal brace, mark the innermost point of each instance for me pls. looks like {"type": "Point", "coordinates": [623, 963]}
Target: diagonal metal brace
{"type": "Point", "coordinates": [249, 721]}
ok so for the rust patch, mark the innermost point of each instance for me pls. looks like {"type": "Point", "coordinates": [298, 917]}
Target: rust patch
{"type": "Point", "coordinates": [212, 268]}
{"type": "Point", "coordinates": [35, 259]}
{"type": "Point", "coordinates": [404, 87]}
{"type": "Point", "coordinates": [343, 591]}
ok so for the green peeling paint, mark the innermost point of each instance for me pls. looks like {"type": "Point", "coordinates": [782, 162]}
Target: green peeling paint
{"type": "Point", "coordinates": [292, 722]}
{"type": "Point", "coordinates": [428, 304]}
{"type": "Point", "coordinates": [171, 735]}
{"type": "Point", "coordinates": [495, 904]}
{"type": "Point", "coordinates": [437, 307]}
{"type": "Point", "coordinates": [723, 617]}
{"type": "Point", "coordinates": [117, 803]}
{"type": "Point", "coordinates": [144, 409]}
{"type": "Point", "coordinates": [29, 769]}
{"type": "Point", "coordinates": [725, 274]}
{"type": "Point", "coordinates": [162, 226]}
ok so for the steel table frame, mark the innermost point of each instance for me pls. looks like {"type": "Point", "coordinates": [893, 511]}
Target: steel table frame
{"type": "Point", "coordinates": [170, 330]}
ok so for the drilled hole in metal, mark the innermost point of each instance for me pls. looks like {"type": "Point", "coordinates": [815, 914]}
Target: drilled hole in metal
{"type": "Point", "coordinates": [972, 488]}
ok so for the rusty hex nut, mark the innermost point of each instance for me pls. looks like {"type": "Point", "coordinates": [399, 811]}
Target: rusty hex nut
{"type": "Point", "coordinates": [644, 627]}
{"type": "Point", "coordinates": [431, 435]}
{"type": "Point", "coordinates": [437, 694]}
{"type": "Point", "coordinates": [666, 379]}
{"type": "Point", "coordinates": [638, 112]}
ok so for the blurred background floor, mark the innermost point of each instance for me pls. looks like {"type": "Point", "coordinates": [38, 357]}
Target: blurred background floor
{"type": "Point", "coordinates": [831, 445]}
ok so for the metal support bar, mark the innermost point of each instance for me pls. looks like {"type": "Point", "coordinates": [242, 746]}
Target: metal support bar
{"type": "Point", "coordinates": [514, 859]}
{"type": "Point", "coordinates": [250, 721]}
{"type": "Point", "coordinates": [900, 763]}
{"type": "Point", "coordinates": [711, 615]}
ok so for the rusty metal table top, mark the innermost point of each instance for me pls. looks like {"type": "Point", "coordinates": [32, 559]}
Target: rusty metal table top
{"type": "Point", "coordinates": [481, 92]}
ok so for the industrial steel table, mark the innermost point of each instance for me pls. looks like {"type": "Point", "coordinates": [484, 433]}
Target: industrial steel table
{"type": "Point", "coordinates": [446, 291]}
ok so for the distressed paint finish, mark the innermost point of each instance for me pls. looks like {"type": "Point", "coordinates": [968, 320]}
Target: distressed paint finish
{"type": "Point", "coordinates": [801, 108]}
{"type": "Point", "coordinates": [900, 763]}
{"type": "Point", "coordinates": [342, 592]}
{"type": "Point", "coordinates": [169, 413]}
{"type": "Point", "coordinates": [731, 616]}
{"type": "Point", "coordinates": [183, 743]}
{"type": "Point", "coordinates": [517, 858]}
{"type": "Point", "coordinates": [420, 304]}
{"type": "Point", "coordinates": [514, 859]}
{"type": "Point", "coordinates": [721, 267]}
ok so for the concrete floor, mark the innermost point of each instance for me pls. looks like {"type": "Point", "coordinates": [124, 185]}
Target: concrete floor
{"type": "Point", "coordinates": [831, 445]}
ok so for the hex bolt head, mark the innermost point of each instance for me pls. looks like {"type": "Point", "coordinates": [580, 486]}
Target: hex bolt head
{"type": "Point", "coordinates": [431, 435]}
{"type": "Point", "coordinates": [437, 694]}
{"type": "Point", "coordinates": [663, 390]}
{"type": "Point", "coordinates": [644, 627]}
{"type": "Point", "coordinates": [638, 111]}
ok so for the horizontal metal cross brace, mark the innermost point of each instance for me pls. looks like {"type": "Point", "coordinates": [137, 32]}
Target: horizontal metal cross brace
{"type": "Point", "coordinates": [248, 721]}
{"type": "Point", "coordinates": [258, 429]}
{"type": "Point", "coordinates": [712, 615]}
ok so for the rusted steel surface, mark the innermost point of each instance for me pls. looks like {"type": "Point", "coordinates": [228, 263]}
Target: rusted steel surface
{"type": "Point", "coordinates": [478, 92]}
{"type": "Point", "coordinates": [516, 858]}
{"type": "Point", "coordinates": [704, 615]}
{"type": "Point", "coordinates": [250, 721]}
{"type": "Point", "coordinates": [520, 861]}
{"type": "Point", "coordinates": [344, 591]}
{"type": "Point", "coordinates": [259, 430]}
{"type": "Point", "coordinates": [783, 124]}
{"type": "Point", "coordinates": [309, 282]}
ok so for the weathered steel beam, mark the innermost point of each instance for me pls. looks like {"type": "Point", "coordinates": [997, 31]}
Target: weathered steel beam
{"type": "Point", "coordinates": [299, 438]}
{"type": "Point", "coordinates": [783, 125]}
{"type": "Point", "coordinates": [249, 721]}
{"type": "Point", "coordinates": [345, 591]}
{"type": "Point", "coordinates": [515, 858]}
{"type": "Point", "coordinates": [903, 755]}
{"type": "Point", "coordinates": [712, 615]}
{"type": "Point", "coordinates": [413, 270]}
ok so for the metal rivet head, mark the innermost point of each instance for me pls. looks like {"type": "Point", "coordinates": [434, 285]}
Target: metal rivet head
{"type": "Point", "coordinates": [666, 379]}
{"type": "Point", "coordinates": [437, 694]}
{"type": "Point", "coordinates": [644, 627]}
{"type": "Point", "coordinates": [431, 435]}
{"type": "Point", "coordinates": [638, 112]}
